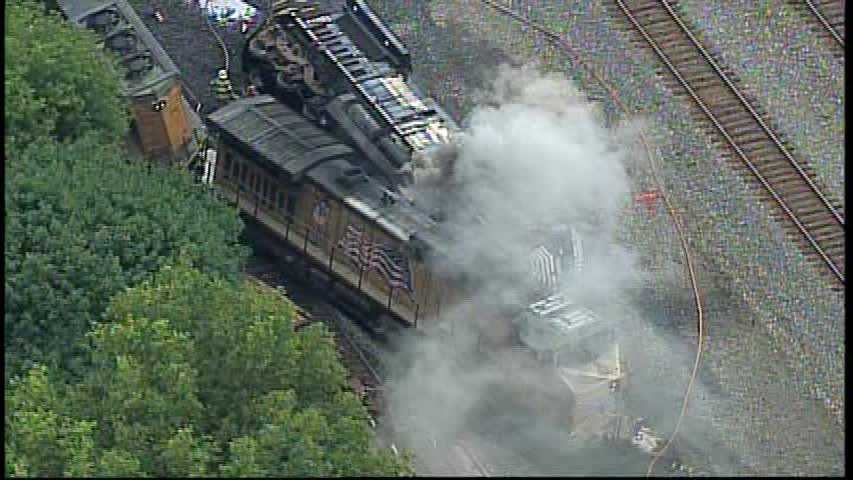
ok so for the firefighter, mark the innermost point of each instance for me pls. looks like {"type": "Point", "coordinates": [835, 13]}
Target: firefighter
{"type": "Point", "coordinates": [251, 91]}
{"type": "Point", "coordinates": [222, 89]}
{"type": "Point", "coordinates": [248, 20]}
{"type": "Point", "coordinates": [158, 15]}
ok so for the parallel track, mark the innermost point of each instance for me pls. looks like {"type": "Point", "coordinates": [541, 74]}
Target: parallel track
{"type": "Point", "coordinates": [807, 213]}
{"type": "Point", "coordinates": [828, 18]}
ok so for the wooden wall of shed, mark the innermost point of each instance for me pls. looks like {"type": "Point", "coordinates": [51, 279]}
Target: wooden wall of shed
{"type": "Point", "coordinates": [162, 132]}
{"type": "Point", "coordinates": [151, 126]}
{"type": "Point", "coordinates": [176, 120]}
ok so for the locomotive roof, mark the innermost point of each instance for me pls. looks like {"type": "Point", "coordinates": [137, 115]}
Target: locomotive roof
{"type": "Point", "coordinates": [282, 136]}
{"type": "Point", "coordinates": [154, 81]}
{"type": "Point", "coordinates": [291, 143]}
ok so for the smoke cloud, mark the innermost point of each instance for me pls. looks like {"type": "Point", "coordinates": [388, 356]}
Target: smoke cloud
{"type": "Point", "coordinates": [535, 154]}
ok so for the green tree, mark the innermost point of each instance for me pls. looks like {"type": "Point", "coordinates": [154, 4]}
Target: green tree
{"type": "Point", "coordinates": [83, 224]}
{"type": "Point", "coordinates": [191, 375]}
{"type": "Point", "coordinates": [268, 392]}
{"type": "Point", "coordinates": [140, 387]}
{"type": "Point", "coordinates": [40, 439]}
{"type": "Point", "coordinates": [59, 82]}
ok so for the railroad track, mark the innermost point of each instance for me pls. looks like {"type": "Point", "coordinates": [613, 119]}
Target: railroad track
{"type": "Point", "coordinates": [827, 16]}
{"type": "Point", "coordinates": [807, 213]}
{"type": "Point", "coordinates": [364, 364]}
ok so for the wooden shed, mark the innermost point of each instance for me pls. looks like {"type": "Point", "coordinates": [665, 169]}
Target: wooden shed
{"type": "Point", "coordinates": [152, 81]}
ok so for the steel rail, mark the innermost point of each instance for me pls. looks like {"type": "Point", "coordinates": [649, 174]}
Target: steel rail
{"type": "Point", "coordinates": [828, 26]}
{"type": "Point", "coordinates": [359, 351]}
{"type": "Point", "coordinates": [749, 164]}
{"type": "Point", "coordinates": [767, 130]}
{"type": "Point", "coordinates": [673, 213]}
{"type": "Point", "coordinates": [463, 445]}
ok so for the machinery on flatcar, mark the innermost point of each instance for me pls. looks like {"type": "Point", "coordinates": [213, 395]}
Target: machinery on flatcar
{"type": "Point", "coordinates": [347, 72]}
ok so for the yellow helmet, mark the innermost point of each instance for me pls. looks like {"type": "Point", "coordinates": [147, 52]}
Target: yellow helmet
{"type": "Point", "coordinates": [223, 75]}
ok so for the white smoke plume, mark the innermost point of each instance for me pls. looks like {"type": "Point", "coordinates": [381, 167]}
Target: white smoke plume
{"type": "Point", "coordinates": [535, 154]}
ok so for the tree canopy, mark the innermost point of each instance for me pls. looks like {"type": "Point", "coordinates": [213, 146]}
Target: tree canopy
{"type": "Point", "coordinates": [83, 224]}
{"type": "Point", "coordinates": [114, 369]}
{"type": "Point", "coordinates": [192, 375]}
{"type": "Point", "coordinates": [59, 82]}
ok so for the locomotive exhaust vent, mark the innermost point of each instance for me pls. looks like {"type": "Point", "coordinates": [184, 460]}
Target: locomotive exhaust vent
{"type": "Point", "coordinates": [351, 176]}
{"type": "Point", "coordinates": [388, 198]}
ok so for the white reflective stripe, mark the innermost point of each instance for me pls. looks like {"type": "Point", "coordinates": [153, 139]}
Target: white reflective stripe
{"type": "Point", "coordinates": [209, 166]}
{"type": "Point", "coordinates": [577, 250]}
{"type": "Point", "coordinates": [544, 267]}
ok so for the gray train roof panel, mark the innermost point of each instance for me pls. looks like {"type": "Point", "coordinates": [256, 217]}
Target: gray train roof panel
{"type": "Point", "coordinates": [289, 141]}
{"type": "Point", "coordinates": [402, 219]}
{"type": "Point", "coordinates": [279, 134]}
{"type": "Point", "coordinates": [155, 80]}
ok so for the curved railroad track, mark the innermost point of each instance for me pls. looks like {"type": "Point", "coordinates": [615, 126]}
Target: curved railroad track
{"type": "Point", "coordinates": [364, 364]}
{"type": "Point", "coordinates": [806, 211]}
{"type": "Point", "coordinates": [827, 16]}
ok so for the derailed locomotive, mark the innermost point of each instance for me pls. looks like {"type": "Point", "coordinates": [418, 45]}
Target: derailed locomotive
{"type": "Point", "coordinates": [321, 162]}
{"type": "Point", "coordinates": [348, 73]}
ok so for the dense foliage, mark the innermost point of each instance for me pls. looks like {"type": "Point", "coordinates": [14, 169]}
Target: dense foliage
{"type": "Point", "coordinates": [192, 375]}
{"type": "Point", "coordinates": [59, 82]}
{"type": "Point", "coordinates": [83, 224]}
{"type": "Point", "coordinates": [111, 370]}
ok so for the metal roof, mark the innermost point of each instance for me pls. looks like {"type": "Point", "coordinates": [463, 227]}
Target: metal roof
{"type": "Point", "coordinates": [291, 143]}
{"type": "Point", "coordinates": [280, 135]}
{"type": "Point", "coordinates": [157, 78]}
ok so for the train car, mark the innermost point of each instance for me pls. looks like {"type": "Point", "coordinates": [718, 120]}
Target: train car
{"type": "Point", "coordinates": [348, 73]}
{"type": "Point", "coordinates": [306, 189]}
{"type": "Point", "coordinates": [152, 81]}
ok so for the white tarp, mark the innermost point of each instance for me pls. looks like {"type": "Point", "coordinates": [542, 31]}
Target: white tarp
{"type": "Point", "coordinates": [231, 9]}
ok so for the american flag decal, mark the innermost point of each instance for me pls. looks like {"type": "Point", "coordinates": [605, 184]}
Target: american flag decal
{"type": "Point", "coordinates": [394, 266]}
{"type": "Point", "coordinates": [544, 267]}
{"type": "Point", "coordinates": [357, 247]}
{"type": "Point", "coordinates": [388, 261]}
